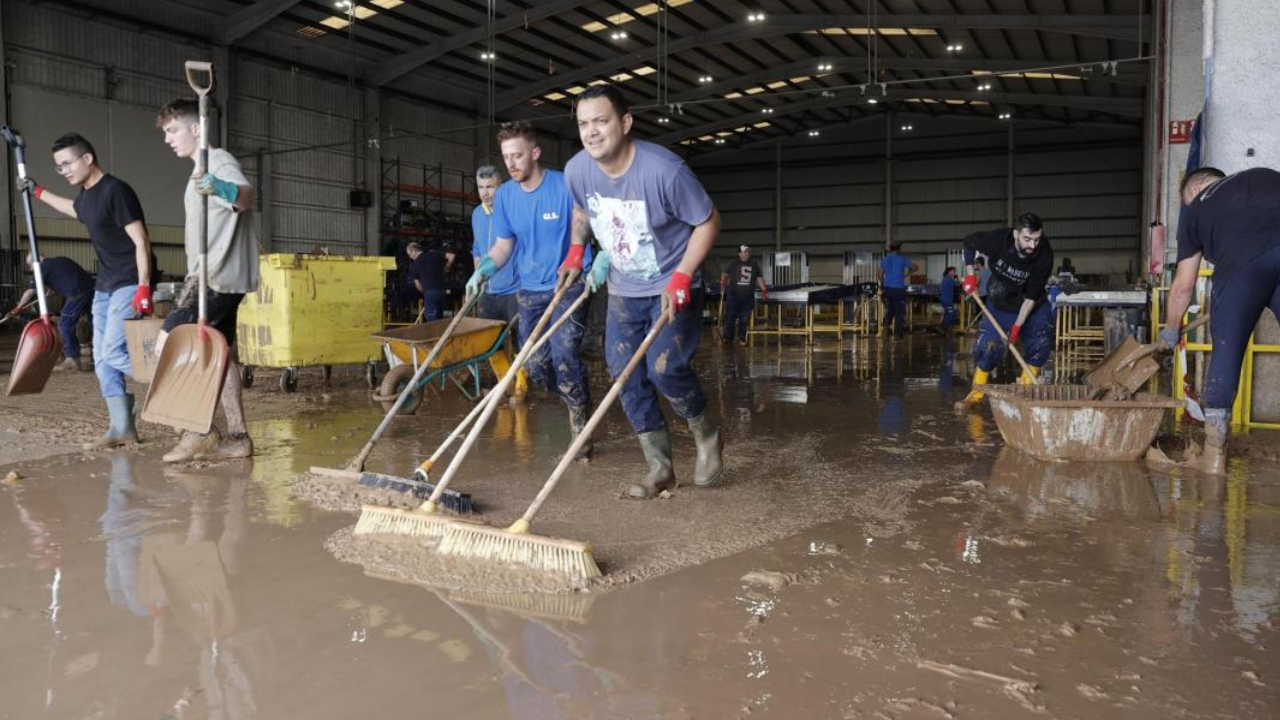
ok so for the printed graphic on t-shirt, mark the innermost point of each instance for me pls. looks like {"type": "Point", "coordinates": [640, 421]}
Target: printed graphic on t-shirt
{"type": "Point", "coordinates": [622, 227]}
{"type": "Point", "coordinates": [746, 274]}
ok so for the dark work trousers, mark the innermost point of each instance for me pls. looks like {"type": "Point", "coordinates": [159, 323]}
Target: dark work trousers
{"type": "Point", "coordinates": [556, 366]}
{"type": "Point", "coordinates": [737, 315]}
{"type": "Point", "coordinates": [895, 309]}
{"type": "Point", "coordinates": [1036, 337]}
{"type": "Point", "coordinates": [72, 310]}
{"type": "Point", "coordinates": [1237, 307]}
{"type": "Point", "coordinates": [666, 366]}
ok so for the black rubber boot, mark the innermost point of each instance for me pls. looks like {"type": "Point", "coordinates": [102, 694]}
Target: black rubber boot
{"type": "Point", "coordinates": [710, 465]}
{"type": "Point", "coordinates": [657, 453]}
{"type": "Point", "coordinates": [578, 421]}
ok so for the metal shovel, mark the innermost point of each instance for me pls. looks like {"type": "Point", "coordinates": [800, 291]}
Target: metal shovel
{"type": "Point", "coordinates": [40, 344]}
{"type": "Point", "coordinates": [193, 365]}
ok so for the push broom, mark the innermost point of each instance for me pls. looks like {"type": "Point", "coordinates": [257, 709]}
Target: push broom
{"type": "Point", "coordinates": [517, 544]}
{"type": "Point", "coordinates": [426, 520]}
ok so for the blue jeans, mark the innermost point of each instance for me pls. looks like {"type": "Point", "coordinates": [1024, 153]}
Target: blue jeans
{"type": "Point", "coordinates": [432, 305]}
{"type": "Point", "coordinates": [737, 316]}
{"type": "Point", "coordinates": [72, 310]}
{"type": "Point", "coordinates": [558, 369]}
{"type": "Point", "coordinates": [666, 364]}
{"type": "Point", "coordinates": [110, 351]}
{"type": "Point", "coordinates": [1036, 338]}
{"type": "Point", "coordinates": [1237, 306]}
{"type": "Point", "coordinates": [895, 308]}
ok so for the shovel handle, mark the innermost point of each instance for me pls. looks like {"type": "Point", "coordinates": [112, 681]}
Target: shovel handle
{"type": "Point", "coordinates": [596, 418]}
{"type": "Point", "coordinates": [195, 67]}
{"type": "Point", "coordinates": [1016, 355]}
{"type": "Point", "coordinates": [1194, 324]}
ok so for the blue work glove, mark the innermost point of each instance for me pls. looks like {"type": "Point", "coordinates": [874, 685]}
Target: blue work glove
{"type": "Point", "coordinates": [485, 270]}
{"type": "Point", "coordinates": [1167, 340]}
{"type": "Point", "coordinates": [599, 274]}
{"type": "Point", "coordinates": [210, 185]}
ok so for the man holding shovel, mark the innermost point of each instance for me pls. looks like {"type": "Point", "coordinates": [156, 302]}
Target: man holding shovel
{"type": "Point", "coordinates": [65, 277]}
{"type": "Point", "coordinates": [1021, 261]}
{"type": "Point", "coordinates": [110, 210]}
{"type": "Point", "coordinates": [232, 271]}
{"type": "Point", "coordinates": [1234, 223]}
{"type": "Point", "coordinates": [655, 224]}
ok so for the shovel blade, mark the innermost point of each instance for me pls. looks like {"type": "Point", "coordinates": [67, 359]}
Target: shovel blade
{"type": "Point", "coordinates": [188, 379]}
{"type": "Point", "coordinates": [1129, 366]}
{"type": "Point", "coordinates": [38, 351]}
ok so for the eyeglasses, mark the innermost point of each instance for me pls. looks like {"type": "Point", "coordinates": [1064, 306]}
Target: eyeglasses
{"type": "Point", "coordinates": [63, 167]}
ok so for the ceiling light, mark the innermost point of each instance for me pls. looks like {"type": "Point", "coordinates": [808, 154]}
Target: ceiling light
{"type": "Point", "coordinates": [872, 101]}
{"type": "Point", "coordinates": [957, 47]}
{"type": "Point", "coordinates": [767, 111]}
{"type": "Point", "coordinates": [814, 133]}
{"type": "Point", "coordinates": [344, 4]}
{"type": "Point", "coordinates": [908, 128]}
{"type": "Point", "coordinates": [705, 79]}
{"type": "Point", "coordinates": [619, 35]}
{"type": "Point", "coordinates": [719, 141]}
{"type": "Point", "coordinates": [488, 56]}
{"type": "Point", "coordinates": [824, 67]}
{"type": "Point", "coordinates": [984, 87]}
{"type": "Point", "coordinates": [755, 17]}
{"type": "Point", "coordinates": [664, 119]}
{"type": "Point", "coordinates": [1006, 116]}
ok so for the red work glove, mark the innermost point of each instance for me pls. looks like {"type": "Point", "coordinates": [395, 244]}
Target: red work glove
{"type": "Point", "coordinates": [571, 268]}
{"type": "Point", "coordinates": [764, 294]}
{"type": "Point", "coordinates": [142, 300]}
{"type": "Point", "coordinates": [970, 284]}
{"type": "Point", "coordinates": [1014, 333]}
{"type": "Point", "coordinates": [677, 294]}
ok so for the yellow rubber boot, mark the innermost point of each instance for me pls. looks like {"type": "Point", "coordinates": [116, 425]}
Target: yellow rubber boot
{"type": "Point", "coordinates": [521, 387]}
{"type": "Point", "coordinates": [976, 393]}
{"type": "Point", "coordinates": [1029, 379]}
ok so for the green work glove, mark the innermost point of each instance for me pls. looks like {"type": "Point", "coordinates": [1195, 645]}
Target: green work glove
{"type": "Point", "coordinates": [599, 274]}
{"type": "Point", "coordinates": [485, 270]}
{"type": "Point", "coordinates": [225, 189]}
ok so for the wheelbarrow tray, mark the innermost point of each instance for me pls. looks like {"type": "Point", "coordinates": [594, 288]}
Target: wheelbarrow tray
{"type": "Point", "coordinates": [1058, 422]}
{"type": "Point", "coordinates": [473, 338]}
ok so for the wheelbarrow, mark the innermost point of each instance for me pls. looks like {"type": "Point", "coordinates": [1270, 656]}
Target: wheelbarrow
{"type": "Point", "coordinates": [474, 343]}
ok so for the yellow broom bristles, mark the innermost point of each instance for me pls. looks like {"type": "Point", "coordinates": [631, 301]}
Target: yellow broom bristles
{"type": "Point", "coordinates": [562, 606]}
{"type": "Point", "coordinates": [568, 558]}
{"type": "Point", "coordinates": [380, 520]}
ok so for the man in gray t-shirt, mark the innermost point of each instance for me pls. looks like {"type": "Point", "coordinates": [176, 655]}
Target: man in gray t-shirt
{"type": "Point", "coordinates": [655, 225]}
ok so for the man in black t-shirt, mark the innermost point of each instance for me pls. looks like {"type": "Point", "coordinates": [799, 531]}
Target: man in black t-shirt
{"type": "Point", "coordinates": [1021, 261]}
{"type": "Point", "coordinates": [68, 279]}
{"type": "Point", "coordinates": [118, 230]}
{"type": "Point", "coordinates": [738, 285]}
{"type": "Point", "coordinates": [1233, 222]}
{"type": "Point", "coordinates": [427, 268]}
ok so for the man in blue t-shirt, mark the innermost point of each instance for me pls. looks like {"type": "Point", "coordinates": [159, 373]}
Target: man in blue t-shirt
{"type": "Point", "coordinates": [118, 230]}
{"type": "Point", "coordinates": [655, 225]}
{"type": "Point", "coordinates": [1233, 222]}
{"type": "Point", "coordinates": [531, 216]}
{"type": "Point", "coordinates": [499, 301]}
{"type": "Point", "coordinates": [894, 269]}
{"type": "Point", "coordinates": [65, 277]}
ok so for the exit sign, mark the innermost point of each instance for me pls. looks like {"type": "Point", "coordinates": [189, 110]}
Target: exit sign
{"type": "Point", "coordinates": [1180, 131]}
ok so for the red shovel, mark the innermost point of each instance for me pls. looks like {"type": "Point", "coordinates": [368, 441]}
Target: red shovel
{"type": "Point", "coordinates": [40, 345]}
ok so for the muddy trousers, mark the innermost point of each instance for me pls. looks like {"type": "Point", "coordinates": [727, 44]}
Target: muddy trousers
{"type": "Point", "coordinates": [737, 316]}
{"type": "Point", "coordinates": [895, 309]}
{"type": "Point", "coordinates": [556, 366]}
{"type": "Point", "coordinates": [432, 305]}
{"type": "Point", "coordinates": [72, 310]}
{"type": "Point", "coordinates": [1036, 337]}
{"type": "Point", "coordinates": [110, 350]}
{"type": "Point", "coordinates": [1237, 307]}
{"type": "Point", "coordinates": [666, 367]}
{"type": "Point", "coordinates": [948, 317]}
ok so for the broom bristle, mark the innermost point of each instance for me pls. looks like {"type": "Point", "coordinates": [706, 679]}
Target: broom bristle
{"type": "Point", "coordinates": [561, 606]}
{"type": "Point", "coordinates": [381, 520]}
{"type": "Point", "coordinates": [553, 555]}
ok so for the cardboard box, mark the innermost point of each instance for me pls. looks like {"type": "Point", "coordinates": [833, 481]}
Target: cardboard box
{"type": "Point", "coordinates": [141, 337]}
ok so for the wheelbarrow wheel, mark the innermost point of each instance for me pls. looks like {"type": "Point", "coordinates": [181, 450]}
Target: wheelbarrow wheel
{"type": "Point", "coordinates": [289, 380]}
{"type": "Point", "coordinates": [393, 384]}
{"type": "Point", "coordinates": [246, 376]}
{"type": "Point", "coordinates": [371, 375]}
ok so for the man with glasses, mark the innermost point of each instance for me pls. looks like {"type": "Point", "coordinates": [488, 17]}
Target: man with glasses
{"type": "Point", "coordinates": [110, 210]}
{"type": "Point", "coordinates": [1021, 263]}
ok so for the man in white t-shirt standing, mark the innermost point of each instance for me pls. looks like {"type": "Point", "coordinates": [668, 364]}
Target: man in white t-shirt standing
{"type": "Point", "coordinates": [655, 224]}
{"type": "Point", "coordinates": [233, 270]}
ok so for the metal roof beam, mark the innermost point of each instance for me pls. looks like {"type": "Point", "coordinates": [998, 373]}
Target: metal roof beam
{"type": "Point", "coordinates": [251, 18]}
{"type": "Point", "coordinates": [1113, 26]}
{"type": "Point", "coordinates": [412, 60]}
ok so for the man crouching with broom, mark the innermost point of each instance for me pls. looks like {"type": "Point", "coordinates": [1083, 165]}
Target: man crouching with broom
{"type": "Point", "coordinates": [233, 271]}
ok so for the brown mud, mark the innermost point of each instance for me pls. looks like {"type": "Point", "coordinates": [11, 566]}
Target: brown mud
{"type": "Point", "coordinates": [952, 577]}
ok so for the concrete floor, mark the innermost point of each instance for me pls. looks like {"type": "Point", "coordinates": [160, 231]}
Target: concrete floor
{"type": "Point", "coordinates": [921, 570]}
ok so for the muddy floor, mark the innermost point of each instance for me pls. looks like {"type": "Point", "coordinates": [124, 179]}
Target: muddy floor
{"type": "Point", "coordinates": [871, 555]}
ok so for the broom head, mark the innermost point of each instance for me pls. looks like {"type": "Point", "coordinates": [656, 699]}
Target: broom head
{"type": "Point", "coordinates": [383, 520]}
{"type": "Point", "coordinates": [567, 558]}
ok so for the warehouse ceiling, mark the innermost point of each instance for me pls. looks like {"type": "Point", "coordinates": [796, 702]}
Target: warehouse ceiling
{"type": "Point", "coordinates": [708, 73]}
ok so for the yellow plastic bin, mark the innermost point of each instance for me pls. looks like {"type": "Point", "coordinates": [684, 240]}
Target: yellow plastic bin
{"type": "Point", "coordinates": [312, 310]}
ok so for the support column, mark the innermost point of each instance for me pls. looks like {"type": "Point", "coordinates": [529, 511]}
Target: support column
{"type": "Point", "coordinates": [1184, 97]}
{"type": "Point", "coordinates": [1242, 92]}
{"type": "Point", "coordinates": [372, 146]}
{"type": "Point", "coordinates": [888, 179]}
{"type": "Point", "coordinates": [224, 80]}
{"type": "Point", "coordinates": [11, 272]}
{"type": "Point", "coordinates": [1010, 187]}
{"type": "Point", "coordinates": [779, 198]}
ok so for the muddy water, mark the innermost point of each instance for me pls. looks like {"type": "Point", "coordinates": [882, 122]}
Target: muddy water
{"type": "Point", "coordinates": [954, 579]}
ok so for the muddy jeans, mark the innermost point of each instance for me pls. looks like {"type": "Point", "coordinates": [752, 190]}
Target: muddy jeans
{"type": "Point", "coordinates": [1036, 337]}
{"type": "Point", "coordinates": [666, 365]}
{"type": "Point", "coordinates": [110, 350]}
{"type": "Point", "coordinates": [558, 369]}
{"type": "Point", "coordinates": [1237, 307]}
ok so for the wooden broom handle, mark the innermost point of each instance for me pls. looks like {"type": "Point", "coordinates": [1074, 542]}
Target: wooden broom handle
{"type": "Point", "coordinates": [1035, 379]}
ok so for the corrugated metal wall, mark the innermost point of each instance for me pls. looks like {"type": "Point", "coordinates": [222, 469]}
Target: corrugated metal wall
{"type": "Point", "coordinates": [949, 180]}
{"type": "Point", "coordinates": [107, 80]}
